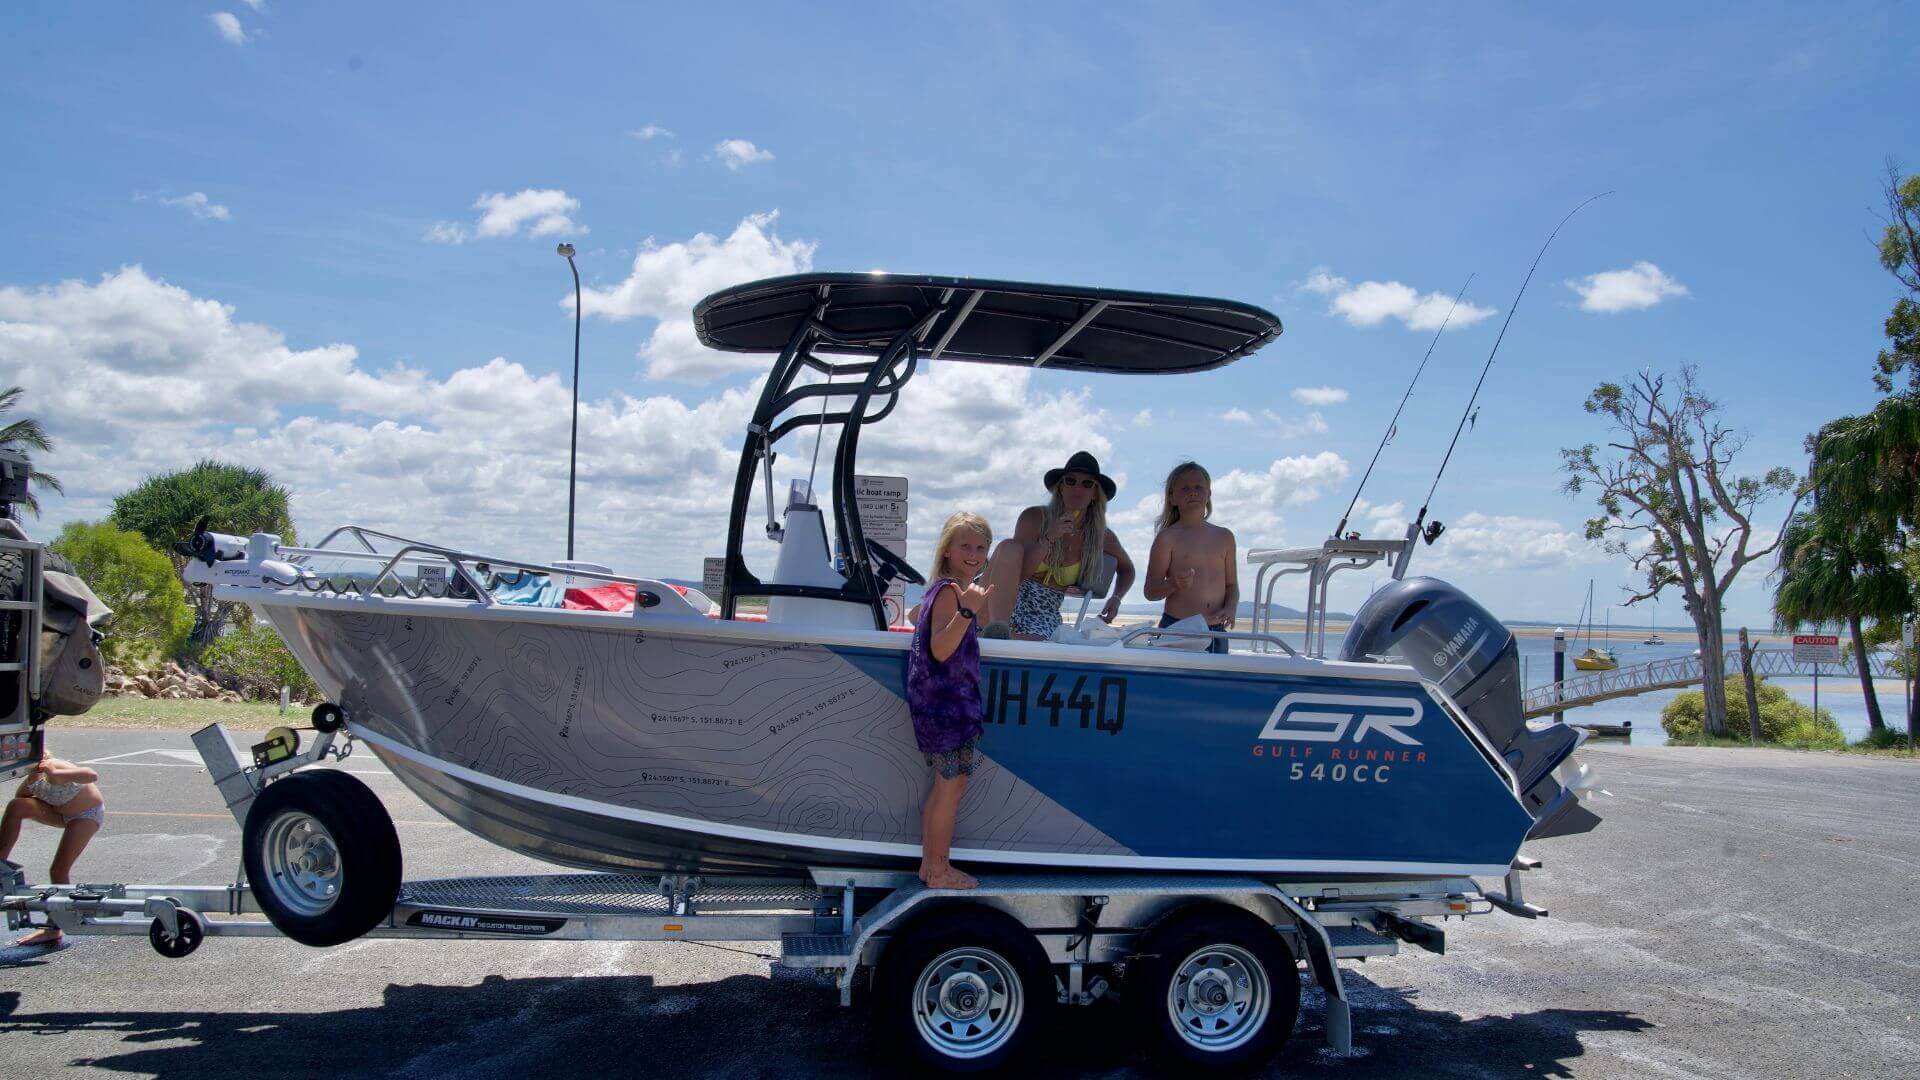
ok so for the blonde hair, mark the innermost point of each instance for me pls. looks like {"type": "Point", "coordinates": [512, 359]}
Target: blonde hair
{"type": "Point", "coordinates": [1093, 531]}
{"type": "Point", "coordinates": [1170, 513]}
{"type": "Point", "coordinates": [962, 520]}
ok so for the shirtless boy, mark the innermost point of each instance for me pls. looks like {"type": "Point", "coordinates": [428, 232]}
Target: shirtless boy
{"type": "Point", "coordinates": [1194, 562]}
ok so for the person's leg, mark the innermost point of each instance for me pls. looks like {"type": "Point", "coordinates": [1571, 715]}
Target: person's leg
{"type": "Point", "coordinates": [73, 840]}
{"type": "Point", "coordinates": [19, 811]}
{"type": "Point", "coordinates": [33, 809]}
{"type": "Point", "coordinates": [1219, 644]}
{"type": "Point", "coordinates": [936, 836]}
{"type": "Point", "coordinates": [1003, 573]}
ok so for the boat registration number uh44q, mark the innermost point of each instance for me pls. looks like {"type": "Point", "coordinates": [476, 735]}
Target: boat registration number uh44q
{"type": "Point", "coordinates": [1342, 738]}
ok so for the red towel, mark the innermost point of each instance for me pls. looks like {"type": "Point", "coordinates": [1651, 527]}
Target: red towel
{"type": "Point", "coordinates": [613, 596]}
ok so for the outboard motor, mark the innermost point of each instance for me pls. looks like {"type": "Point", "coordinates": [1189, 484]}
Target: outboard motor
{"type": "Point", "coordinates": [1459, 646]}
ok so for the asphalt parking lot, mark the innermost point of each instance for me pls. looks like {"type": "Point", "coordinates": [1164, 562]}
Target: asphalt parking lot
{"type": "Point", "coordinates": [1739, 913]}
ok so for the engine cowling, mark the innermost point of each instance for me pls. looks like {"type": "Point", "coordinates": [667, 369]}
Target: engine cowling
{"type": "Point", "coordinates": [1458, 646]}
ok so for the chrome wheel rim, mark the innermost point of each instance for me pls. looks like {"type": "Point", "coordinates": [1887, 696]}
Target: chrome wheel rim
{"type": "Point", "coordinates": [967, 1002]}
{"type": "Point", "coordinates": [302, 863]}
{"type": "Point", "coordinates": [1219, 998]}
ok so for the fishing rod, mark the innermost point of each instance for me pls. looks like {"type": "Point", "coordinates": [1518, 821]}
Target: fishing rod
{"type": "Point", "coordinates": [1419, 527]}
{"type": "Point", "coordinates": [1393, 425]}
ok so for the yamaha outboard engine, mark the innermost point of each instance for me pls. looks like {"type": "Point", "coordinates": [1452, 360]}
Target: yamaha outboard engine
{"type": "Point", "coordinates": [1459, 646]}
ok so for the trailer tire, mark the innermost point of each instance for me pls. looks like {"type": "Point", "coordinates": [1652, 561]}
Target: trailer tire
{"type": "Point", "coordinates": [964, 988]}
{"type": "Point", "coordinates": [1245, 970]}
{"type": "Point", "coordinates": [322, 857]}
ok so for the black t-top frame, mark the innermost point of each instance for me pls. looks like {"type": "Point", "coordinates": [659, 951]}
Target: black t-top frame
{"type": "Point", "coordinates": [893, 322]}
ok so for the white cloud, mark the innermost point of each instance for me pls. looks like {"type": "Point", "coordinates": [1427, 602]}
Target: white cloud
{"type": "Point", "coordinates": [1288, 427]}
{"type": "Point", "coordinates": [1372, 302]}
{"type": "Point", "coordinates": [134, 376]}
{"type": "Point", "coordinates": [1319, 395]}
{"type": "Point", "coordinates": [544, 212]}
{"type": "Point", "coordinates": [228, 26]}
{"type": "Point", "coordinates": [257, 5]}
{"type": "Point", "coordinates": [1483, 542]}
{"type": "Point", "coordinates": [668, 279]}
{"type": "Point", "coordinates": [537, 211]}
{"type": "Point", "coordinates": [1237, 416]}
{"type": "Point", "coordinates": [651, 132]}
{"type": "Point", "coordinates": [197, 204]}
{"type": "Point", "coordinates": [736, 154]}
{"type": "Point", "coordinates": [1250, 502]}
{"type": "Point", "coordinates": [1636, 288]}
{"type": "Point", "coordinates": [1143, 418]}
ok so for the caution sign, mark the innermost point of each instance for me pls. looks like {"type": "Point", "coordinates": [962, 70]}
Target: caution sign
{"type": "Point", "coordinates": [1816, 648]}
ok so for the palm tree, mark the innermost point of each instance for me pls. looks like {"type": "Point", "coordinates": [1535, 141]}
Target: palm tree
{"type": "Point", "coordinates": [1834, 567]}
{"type": "Point", "coordinates": [1871, 463]}
{"type": "Point", "coordinates": [26, 434]}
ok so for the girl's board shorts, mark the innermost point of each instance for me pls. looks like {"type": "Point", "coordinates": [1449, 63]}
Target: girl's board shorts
{"type": "Point", "coordinates": [962, 760]}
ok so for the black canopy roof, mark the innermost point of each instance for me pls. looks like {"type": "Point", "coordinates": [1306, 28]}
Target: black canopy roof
{"type": "Point", "coordinates": [995, 322]}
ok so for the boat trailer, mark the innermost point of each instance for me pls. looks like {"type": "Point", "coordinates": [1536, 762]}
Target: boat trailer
{"type": "Point", "coordinates": [1090, 931]}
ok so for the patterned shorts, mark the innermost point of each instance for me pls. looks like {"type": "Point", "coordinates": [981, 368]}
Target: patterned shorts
{"type": "Point", "coordinates": [1036, 611]}
{"type": "Point", "coordinates": [962, 760]}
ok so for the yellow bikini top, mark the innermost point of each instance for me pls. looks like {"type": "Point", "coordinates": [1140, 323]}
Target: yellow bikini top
{"type": "Point", "coordinates": [1058, 577]}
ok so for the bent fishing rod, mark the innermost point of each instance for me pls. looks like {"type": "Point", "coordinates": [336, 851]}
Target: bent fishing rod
{"type": "Point", "coordinates": [1419, 527]}
{"type": "Point", "coordinates": [1393, 425]}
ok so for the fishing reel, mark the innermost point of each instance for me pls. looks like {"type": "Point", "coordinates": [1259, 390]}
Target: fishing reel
{"type": "Point", "coordinates": [1432, 532]}
{"type": "Point", "coordinates": [211, 547]}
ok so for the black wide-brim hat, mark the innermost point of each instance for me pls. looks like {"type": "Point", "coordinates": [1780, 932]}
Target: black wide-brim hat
{"type": "Point", "coordinates": [1082, 462]}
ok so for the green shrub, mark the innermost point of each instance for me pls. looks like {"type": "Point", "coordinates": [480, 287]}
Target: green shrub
{"type": "Point", "coordinates": [253, 656]}
{"type": "Point", "coordinates": [1782, 719]}
{"type": "Point", "coordinates": [1887, 738]}
{"type": "Point", "coordinates": [151, 618]}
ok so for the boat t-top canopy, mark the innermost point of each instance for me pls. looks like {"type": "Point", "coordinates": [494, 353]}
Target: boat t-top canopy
{"type": "Point", "coordinates": [890, 324]}
{"type": "Point", "coordinates": [993, 322]}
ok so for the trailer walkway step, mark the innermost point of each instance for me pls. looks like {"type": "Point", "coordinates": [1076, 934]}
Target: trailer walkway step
{"type": "Point", "coordinates": [815, 950]}
{"type": "Point", "coordinates": [1351, 942]}
{"type": "Point", "coordinates": [606, 894]}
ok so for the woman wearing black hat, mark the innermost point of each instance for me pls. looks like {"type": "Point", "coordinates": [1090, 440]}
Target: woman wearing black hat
{"type": "Point", "coordinates": [1049, 552]}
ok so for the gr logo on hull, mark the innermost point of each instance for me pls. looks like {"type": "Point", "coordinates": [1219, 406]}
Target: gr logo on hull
{"type": "Point", "coordinates": [1332, 718]}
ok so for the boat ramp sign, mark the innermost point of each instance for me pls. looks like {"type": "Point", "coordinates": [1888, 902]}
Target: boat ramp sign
{"type": "Point", "coordinates": [1816, 648]}
{"type": "Point", "coordinates": [882, 505]}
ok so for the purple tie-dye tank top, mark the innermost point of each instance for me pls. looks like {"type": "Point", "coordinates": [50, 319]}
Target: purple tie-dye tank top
{"type": "Point", "coordinates": [944, 697]}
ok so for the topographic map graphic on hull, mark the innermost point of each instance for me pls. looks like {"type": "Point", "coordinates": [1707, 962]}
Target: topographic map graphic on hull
{"type": "Point", "coordinates": [783, 737]}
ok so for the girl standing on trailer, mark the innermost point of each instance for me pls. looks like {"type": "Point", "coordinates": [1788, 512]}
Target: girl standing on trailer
{"type": "Point", "coordinates": [67, 797]}
{"type": "Point", "coordinates": [943, 687]}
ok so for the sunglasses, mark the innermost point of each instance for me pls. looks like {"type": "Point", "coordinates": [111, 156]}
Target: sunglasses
{"type": "Point", "coordinates": [1084, 481]}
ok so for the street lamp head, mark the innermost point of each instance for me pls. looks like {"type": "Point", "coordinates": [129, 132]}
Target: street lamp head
{"type": "Point", "coordinates": [565, 250]}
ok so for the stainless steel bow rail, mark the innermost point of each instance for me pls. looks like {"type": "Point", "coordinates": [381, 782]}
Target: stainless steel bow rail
{"type": "Point", "coordinates": [1676, 671]}
{"type": "Point", "coordinates": [476, 574]}
{"type": "Point", "coordinates": [849, 923]}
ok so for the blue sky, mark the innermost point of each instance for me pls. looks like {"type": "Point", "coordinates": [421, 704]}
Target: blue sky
{"type": "Point", "coordinates": [286, 178]}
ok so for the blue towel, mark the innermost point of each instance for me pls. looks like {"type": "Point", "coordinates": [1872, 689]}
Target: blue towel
{"type": "Point", "coordinates": [533, 590]}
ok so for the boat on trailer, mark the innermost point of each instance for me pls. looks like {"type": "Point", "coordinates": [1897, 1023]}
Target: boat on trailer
{"type": "Point", "coordinates": [704, 747]}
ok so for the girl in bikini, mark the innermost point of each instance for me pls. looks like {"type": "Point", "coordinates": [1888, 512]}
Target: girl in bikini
{"type": "Point", "coordinates": [1054, 548]}
{"type": "Point", "coordinates": [943, 688]}
{"type": "Point", "coordinates": [67, 797]}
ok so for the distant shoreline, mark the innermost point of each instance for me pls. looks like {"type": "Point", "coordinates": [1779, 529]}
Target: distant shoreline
{"type": "Point", "coordinates": [1670, 637]}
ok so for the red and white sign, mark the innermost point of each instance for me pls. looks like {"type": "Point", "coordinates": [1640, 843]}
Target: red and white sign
{"type": "Point", "coordinates": [1816, 648]}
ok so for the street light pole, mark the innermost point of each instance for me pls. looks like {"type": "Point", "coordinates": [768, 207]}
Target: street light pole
{"type": "Point", "coordinates": [573, 441]}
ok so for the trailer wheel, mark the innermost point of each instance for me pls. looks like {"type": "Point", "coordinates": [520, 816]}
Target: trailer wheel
{"type": "Point", "coordinates": [174, 946]}
{"type": "Point", "coordinates": [322, 857]}
{"type": "Point", "coordinates": [964, 988]}
{"type": "Point", "coordinates": [1216, 987]}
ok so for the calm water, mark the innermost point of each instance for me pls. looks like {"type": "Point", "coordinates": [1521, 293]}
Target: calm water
{"type": "Point", "coordinates": [1839, 695]}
